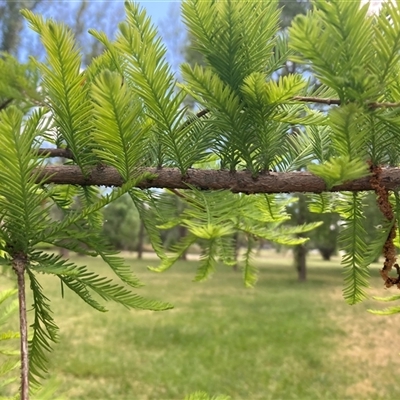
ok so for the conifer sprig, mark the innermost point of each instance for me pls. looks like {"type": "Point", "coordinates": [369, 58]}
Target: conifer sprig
{"type": "Point", "coordinates": [352, 240]}
{"type": "Point", "coordinates": [64, 83]}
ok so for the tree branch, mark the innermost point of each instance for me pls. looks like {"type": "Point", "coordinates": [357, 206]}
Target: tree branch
{"type": "Point", "coordinates": [51, 152]}
{"type": "Point", "coordinates": [19, 264]}
{"type": "Point", "coordinates": [318, 100]}
{"type": "Point", "coordinates": [239, 181]}
{"type": "Point", "coordinates": [5, 104]}
{"type": "Point", "coordinates": [330, 102]}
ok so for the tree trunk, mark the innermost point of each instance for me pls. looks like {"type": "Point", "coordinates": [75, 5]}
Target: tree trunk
{"type": "Point", "coordinates": [300, 251]}
{"type": "Point", "coordinates": [237, 246]}
{"type": "Point", "coordinates": [140, 241]}
{"type": "Point", "coordinates": [63, 252]}
{"type": "Point", "coordinates": [11, 27]}
{"type": "Point", "coordinates": [19, 264]}
{"type": "Point", "coordinates": [182, 234]}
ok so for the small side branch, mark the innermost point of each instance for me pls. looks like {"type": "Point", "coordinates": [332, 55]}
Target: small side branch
{"type": "Point", "coordinates": [51, 152]}
{"type": "Point", "coordinates": [19, 263]}
{"type": "Point", "coordinates": [383, 105]}
{"type": "Point", "coordinates": [330, 102]}
{"type": "Point", "coordinates": [317, 100]}
{"type": "Point", "coordinates": [239, 181]}
{"type": "Point", "coordinates": [5, 104]}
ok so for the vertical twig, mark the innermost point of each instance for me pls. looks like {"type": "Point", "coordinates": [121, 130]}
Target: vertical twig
{"type": "Point", "coordinates": [385, 206]}
{"type": "Point", "coordinates": [19, 264]}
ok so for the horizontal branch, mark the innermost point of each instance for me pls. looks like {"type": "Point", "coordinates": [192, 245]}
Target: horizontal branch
{"type": "Point", "coordinates": [67, 153]}
{"type": "Point", "coordinates": [239, 181]}
{"type": "Point", "coordinates": [330, 102]}
{"type": "Point", "coordinates": [318, 100]}
{"type": "Point", "coordinates": [55, 152]}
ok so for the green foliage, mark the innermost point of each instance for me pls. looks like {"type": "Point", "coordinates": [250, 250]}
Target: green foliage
{"type": "Point", "coordinates": [389, 310]}
{"type": "Point", "coordinates": [344, 46]}
{"type": "Point", "coordinates": [18, 83]}
{"type": "Point", "coordinates": [127, 111]}
{"type": "Point", "coordinates": [319, 37]}
{"type": "Point", "coordinates": [321, 203]}
{"type": "Point", "coordinates": [249, 271]}
{"type": "Point", "coordinates": [247, 106]}
{"type": "Point", "coordinates": [67, 94]}
{"type": "Point", "coordinates": [351, 239]}
{"type": "Point", "coordinates": [26, 218]}
{"type": "Point", "coordinates": [339, 170]}
{"type": "Point", "coordinates": [21, 211]}
{"type": "Point", "coordinates": [44, 331]}
{"type": "Point", "coordinates": [212, 217]}
{"type": "Point", "coordinates": [245, 39]}
{"type": "Point", "coordinates": [119, 124]}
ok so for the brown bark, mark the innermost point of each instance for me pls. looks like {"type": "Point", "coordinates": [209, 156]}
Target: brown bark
{"type": "Point", "coordinates": [182, 234]}
{"type": "Point", "coordinates": [140, 241]}
{"type": "Point", "coordinates": [19, 264]}
{"type": "Point", "coordinates": [389, 248]}
{"type": "Point", "coordinates": [63, 153]}
{"type": "Point", "coordinates": [300, 253]}
{"type": "Point", "coordinates": [239, 181]}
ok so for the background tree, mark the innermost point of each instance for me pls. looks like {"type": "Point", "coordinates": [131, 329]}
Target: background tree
{"type": "Point", "coordinates": [324, 238]}
{"type": "Point", "coordinates": [122, 224]}
{"type": "Point", "coordinates": [17, 39]}
{"type": "Point", "coordinates": [292, 8]}
{"type": "Point", "coordinates": [11, 23]}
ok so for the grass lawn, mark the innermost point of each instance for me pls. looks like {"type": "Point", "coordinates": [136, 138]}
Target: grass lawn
{"type": "Point", "coordinates": [281, 340]}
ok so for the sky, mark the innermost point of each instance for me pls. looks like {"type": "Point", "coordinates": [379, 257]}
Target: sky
{"type": "Point", "coordinates": [374, 5]}
{"type": "Point", "coordinates": [157, 9]}
{"type": "Point", "coordinates": [160, 12]}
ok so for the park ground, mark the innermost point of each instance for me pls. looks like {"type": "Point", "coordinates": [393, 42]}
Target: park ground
{"type": "Point", "coordinates": [281, 340]}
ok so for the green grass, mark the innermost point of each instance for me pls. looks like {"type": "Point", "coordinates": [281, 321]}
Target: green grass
{"type": "Point", "coordinates": [281, 340]}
